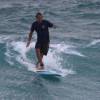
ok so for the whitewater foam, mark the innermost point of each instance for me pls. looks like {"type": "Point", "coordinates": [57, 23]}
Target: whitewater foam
{"type": "Point", "coordinates": [94, 42]}
{"type": "Point", "coordinates": [52, 60]}
{"type": "Point", "coordinates": [68, 49]}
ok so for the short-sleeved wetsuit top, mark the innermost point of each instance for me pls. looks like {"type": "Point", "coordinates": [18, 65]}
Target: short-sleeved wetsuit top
{"type": "Point", "coordinates": [42, 30]}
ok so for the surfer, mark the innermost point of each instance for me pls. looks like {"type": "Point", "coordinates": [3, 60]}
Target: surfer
{"type": "Point", "coordinates": [41, 26]}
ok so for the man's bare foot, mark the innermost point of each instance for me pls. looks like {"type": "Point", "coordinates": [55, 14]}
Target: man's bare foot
{"type": "Point", "coordinates": [40, 66]}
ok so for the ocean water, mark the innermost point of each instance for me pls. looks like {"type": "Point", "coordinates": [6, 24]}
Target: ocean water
{"type": "Point", "coordinates": [74, 50]}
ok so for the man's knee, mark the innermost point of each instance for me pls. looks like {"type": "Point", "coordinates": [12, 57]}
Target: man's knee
{"type": "Point", "coordinates": [37, 49]}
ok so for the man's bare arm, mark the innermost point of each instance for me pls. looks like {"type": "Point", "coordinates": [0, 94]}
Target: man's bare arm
{"type": "Point", "coordinates": [29, 39]}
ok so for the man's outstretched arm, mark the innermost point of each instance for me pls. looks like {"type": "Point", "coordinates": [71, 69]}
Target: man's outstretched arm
{"type": "Point", "coordinates": [51, 25]}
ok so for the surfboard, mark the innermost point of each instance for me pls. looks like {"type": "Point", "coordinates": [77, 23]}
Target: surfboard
{"type": "Point", "coordinates": [46, 72]}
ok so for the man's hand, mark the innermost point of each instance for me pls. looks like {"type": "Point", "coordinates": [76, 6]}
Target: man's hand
{"type": "Point", "coordinates": [28, 43]}
{"type": "Point", "coordinates": [54, 26]}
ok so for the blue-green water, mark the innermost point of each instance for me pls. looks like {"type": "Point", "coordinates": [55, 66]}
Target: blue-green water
{"type": "Point", "coordinates": [74, 50]}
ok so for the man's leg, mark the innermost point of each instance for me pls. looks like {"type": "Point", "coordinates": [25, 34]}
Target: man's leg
{"type": "Point", "coordinates": [40, 58]}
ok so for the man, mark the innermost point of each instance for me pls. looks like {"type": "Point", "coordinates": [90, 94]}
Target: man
{"type": "Point", "coordinates": [41, 26]}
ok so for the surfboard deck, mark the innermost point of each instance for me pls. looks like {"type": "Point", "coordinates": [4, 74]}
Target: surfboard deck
{"type": "Point", "coordinates": [46, 72]}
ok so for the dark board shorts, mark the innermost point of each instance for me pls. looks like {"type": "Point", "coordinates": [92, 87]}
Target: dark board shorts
{"type": "Point", "coordinates": [44, 47]}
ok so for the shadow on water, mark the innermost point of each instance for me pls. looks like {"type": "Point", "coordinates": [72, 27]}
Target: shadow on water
{"type": "Point", "coordinates": [51, 78]}
{"type": "Point", "coordinates": [40, 87]}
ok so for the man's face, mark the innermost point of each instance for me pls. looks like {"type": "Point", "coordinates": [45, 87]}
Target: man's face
{"type": "Point", "coordinates": [39, 18]}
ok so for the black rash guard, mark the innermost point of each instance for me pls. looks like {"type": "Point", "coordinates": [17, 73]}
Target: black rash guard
{"type": "Point", "coordinates": [42, 30]}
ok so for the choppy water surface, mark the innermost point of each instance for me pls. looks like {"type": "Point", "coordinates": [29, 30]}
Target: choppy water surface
{"type": "Point", "coordinates": [74, 50]}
